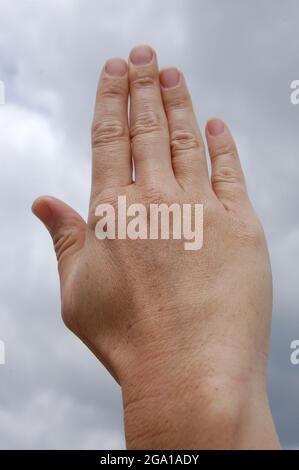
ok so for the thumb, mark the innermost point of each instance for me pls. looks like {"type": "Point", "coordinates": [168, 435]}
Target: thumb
{"type": "Point", "coordinates": [66, 227]}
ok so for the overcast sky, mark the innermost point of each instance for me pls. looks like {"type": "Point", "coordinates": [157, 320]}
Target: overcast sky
{"type": "Point", "coordinates": [239, 58]}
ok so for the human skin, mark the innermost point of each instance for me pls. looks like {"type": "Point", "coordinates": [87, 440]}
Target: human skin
{"type": "Point", "coordinates": [185, 333]}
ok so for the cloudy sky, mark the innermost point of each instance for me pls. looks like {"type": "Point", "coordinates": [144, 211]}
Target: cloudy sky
{"type": "Point", "coordinates": [239, 58]}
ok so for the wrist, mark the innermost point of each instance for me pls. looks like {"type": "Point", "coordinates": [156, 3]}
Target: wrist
{"type": "Point", "coordinates": [176, 412]}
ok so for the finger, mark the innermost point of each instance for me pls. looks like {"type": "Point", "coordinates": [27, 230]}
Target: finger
{"type": "Point", "coordinates": [148, 123]}
{"type": "Point", "coordinates": [187, 146]}
{"type": "Point", "coordinates": [227, 176]}
{"type": "Point", "coordinates": [66, 227]}
{"type": "Point", "coordinates": [110, 135]}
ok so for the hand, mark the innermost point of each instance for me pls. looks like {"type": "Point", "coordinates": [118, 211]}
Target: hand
{"type": "Point", "coordinates": [185, 333]}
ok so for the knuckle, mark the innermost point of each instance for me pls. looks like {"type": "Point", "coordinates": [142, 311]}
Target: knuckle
{"type": "Point", "coordinates": [183, 140]}
{"type": "Point", "coordinates": [147, 80]}
{"type": "Point", "coordinates": [212, 215]}
{"type": "Point", "coordinates": [154, 195]}
{"type": "Point", "coordinates": [112, 89]}
{"type": "Point", "coordinates": [106, 131]}
{"type": "Point", "coordinates": [249, 231]}
{"type": "Point", "coordinates": [224, 149]}
{"type": "Point", "coordinates": [225, 174]}
{"type": "Point", "coordinates": [179, 101]}
{"type": "Point", "coordinates": [146, 123]}
{"type": "Point", "coordinates": [109, 197]}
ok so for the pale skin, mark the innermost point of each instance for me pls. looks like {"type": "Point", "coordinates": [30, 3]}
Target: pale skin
{"type": "Point", "coordinates": [185, 333]}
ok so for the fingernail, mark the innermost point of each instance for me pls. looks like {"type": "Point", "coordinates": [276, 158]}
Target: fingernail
{"type": "Point", "coordinates": [169, 78]}
{"type": "Point", "coordinates": [215, 127]}
{"type": "Point", "coordinates": [141, 55]}
{"type": "Point", "coordinates": [116, 67]}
